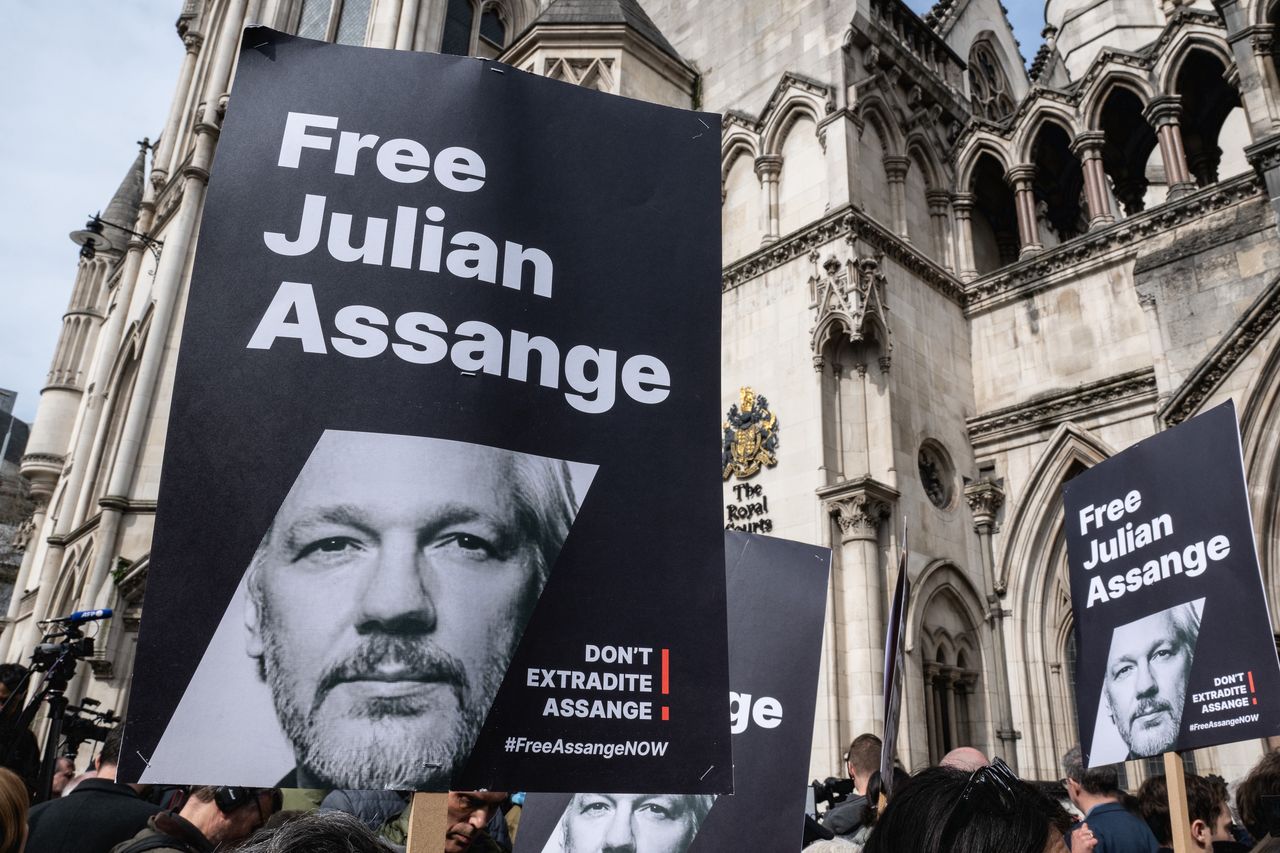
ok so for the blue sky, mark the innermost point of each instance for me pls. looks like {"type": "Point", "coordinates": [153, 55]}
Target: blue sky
{"type": "Point", "coordinates": [85, 79]}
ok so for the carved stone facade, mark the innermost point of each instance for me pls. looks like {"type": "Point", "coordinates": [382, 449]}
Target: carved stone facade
{"type": "Point", "coordinates": [924, 247]}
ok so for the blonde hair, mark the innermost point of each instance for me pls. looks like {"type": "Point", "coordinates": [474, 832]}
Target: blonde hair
{"type": "Point", "coordinates": [13, 811]}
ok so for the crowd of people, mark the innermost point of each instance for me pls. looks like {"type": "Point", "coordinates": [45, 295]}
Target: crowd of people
{"type": "Point", "coordinates": [969, 804]}
{"type": "Point", "coordinates": [966, 804]}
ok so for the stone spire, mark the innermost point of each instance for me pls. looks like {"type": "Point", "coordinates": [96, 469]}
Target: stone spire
{"type": "Point", "coordinates": [123, 208]}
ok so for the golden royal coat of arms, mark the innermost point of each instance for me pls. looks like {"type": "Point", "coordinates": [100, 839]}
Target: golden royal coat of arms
{"type": "Point", "coordinates": [750, 436]}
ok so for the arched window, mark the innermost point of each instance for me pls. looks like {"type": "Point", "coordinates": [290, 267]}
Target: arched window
{"type": "Point", "coordinates": [341, 21]}
{"type": "Point", "coordinates": [988, 85]}
{"type": "Point", "coordinates": [475, 28]}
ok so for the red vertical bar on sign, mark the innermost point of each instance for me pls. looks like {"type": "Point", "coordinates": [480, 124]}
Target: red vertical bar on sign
{"type": "Point", "coordinates": [666, 713]}
{"type": "Point", "coordinates": [666, 670]}
{"type": "Point", "coordinates": [1251, 689]}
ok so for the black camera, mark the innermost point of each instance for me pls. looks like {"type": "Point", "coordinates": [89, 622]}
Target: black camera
{"type": "Point", "coordinates": [84, 722]}
{"type": "Point", "coordinates": [833, 791]}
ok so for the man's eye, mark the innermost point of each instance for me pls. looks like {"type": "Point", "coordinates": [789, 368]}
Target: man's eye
{"type": "Point", "coordinates": [654, 810]}
{"type": "Point", "coordinates": [594, 808]}
{"type": "Point", "coordinates": [1120, 671]}
{"type": "Point", "coordinates": [476, 545]}
{"type": "Point", "coordinates": [329, 546]}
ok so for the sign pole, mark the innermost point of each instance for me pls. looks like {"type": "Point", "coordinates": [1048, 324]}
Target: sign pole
{"type": "Point", "coordinates": [1175, 776]}
{"type": "Point", "coordinates": [428, 822]}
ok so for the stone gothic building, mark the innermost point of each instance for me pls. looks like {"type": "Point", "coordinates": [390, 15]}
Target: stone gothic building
{"type": "Point", "coordinates": [956, 283]}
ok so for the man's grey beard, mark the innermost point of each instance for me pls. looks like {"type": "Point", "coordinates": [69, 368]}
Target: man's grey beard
{"type": "Point", "coordinates": [380, 749]}
{"type": "Point", "coordinates": [1144, 741]}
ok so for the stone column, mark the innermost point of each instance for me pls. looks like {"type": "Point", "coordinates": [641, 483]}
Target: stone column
{"type": "Point", "coordinates": [860, 507]}
{"type": "Point", "coordinates": [931, 711]}
{"type": "Point", "coordinates": [168, 137]}
{"type": "Point", "coordinates": [1250, 44]}
{"type": "Point", "coordinates": [948, 678]}
{"type": "Point", "coordinates": [1021, 178]}
{"type": "Point", "coordinates": [943, 247]}
{"type": "Point", "coordinates": [1164, 113]}
{"type": "Point", "coordinates": [1088, 147]}
{"type": "Point", "coordinates": [895, 169]}
{"type": "Point", "coordinates": [985, 497]}
{"type": "Point", "coordinates": [962, 204]}
{"type": "Point", "coordinates": [768, 168]}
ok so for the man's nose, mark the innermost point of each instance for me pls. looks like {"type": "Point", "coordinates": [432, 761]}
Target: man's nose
{"type": "Point", "coordinates": [1146, 684]}
{"type": "Point", "coordinates": [620, 838]}
{"type": "Point", "coordinates": [479, 818]}
{"type": "Point", "coordinates": [395, 597]}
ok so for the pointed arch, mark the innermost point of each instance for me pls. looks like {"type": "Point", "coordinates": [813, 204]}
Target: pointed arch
{"type": "Point", "coordinates": [790, 102]}
{"type": "Point", "coordinates": [921, 154]}
{"type": "Point", "coordinates": [877, 112]}
{"type": "Point", "coordinates": [1261, 444]}
{"type": "Point", "coordinates": [938, 577]}
{"type": "Point", "coordinates": [1117, 76]}
{"type": "Point", "coordinates": [1044, 112]}
{"type": "Point", "coordinates": [1187, 41]}
{"type": "Point", "coordinates": [1031, 572]}
{"type": "Point", "coordinates": [982, 142]}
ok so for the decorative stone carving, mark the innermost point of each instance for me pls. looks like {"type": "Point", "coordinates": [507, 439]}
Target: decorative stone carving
{"type": "Point", "coordinates": [848, 298]}
{"type": "Point", "coordinates": [984, 497]}
{"type": "Point", "coordinates": [859, 507]}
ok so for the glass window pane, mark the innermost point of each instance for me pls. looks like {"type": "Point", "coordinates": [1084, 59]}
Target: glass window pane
{"type": "Point", "coordinates": [492, 27]}
{"type": "Point", "coordinates": [353, 22]}
{"type": "Point", "coordinates": [457, 28]}
{"type": "Point", "coordinates": [313, 22]}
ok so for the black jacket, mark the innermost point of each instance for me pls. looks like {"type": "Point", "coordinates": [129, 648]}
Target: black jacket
{"type": "Point", "coordinates": [93, 818]}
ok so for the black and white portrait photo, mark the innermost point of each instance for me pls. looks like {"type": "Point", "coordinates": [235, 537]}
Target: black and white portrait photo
{"type": "Point", "coordinates": [1144, 686]}
{"type": "Point", "coordinates": [638, 823]}
{"type": "Point", "coordinates": [382, 608]}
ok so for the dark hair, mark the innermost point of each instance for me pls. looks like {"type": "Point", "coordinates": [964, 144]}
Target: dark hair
{"type": "Point", "coordinates": [1100, 781]}
{"type": "Point", "coordinates": [11, 675]}
{"type": "Point", "coordinates": [1203, 803]}
{"type": "Point", "coordinates": [1264, 778]}
{"type": "Point", "coordinates": [864, 753]}
{"type": "Point", "coordinates": [921, 812]}
{"type": "Point", "coordinates": [1153, 805]}
{"type": "Point", "coordinates": [110, 753]}
{"type": "Point", "coordinates": [317, 832]}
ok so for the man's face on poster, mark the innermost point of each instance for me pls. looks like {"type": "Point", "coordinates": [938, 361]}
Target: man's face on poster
{"type": "Point", "coordinates": [1146, 681]}
{"type": "Point", "coordinates": [386, 601]}
{"type": "Point", "coordinates": [633, 823]}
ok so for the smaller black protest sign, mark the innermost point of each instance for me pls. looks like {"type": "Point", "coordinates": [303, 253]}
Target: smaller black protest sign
{"type": "Point", "coordinates": [1175, 647]}
{"type": "Point", "coordinates": [777, 597]}
{"type": "Point", "coordinates": [893, 668]}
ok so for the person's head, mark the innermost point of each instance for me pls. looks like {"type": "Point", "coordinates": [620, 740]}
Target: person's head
{"type": "Point", "coordinates": [316, 832]}
{"type": "Point", "coordinates": [225, 815]}
{"type": "Point", "coordinates": [389, 594]}
{"type": "Point", "coordinates": [633, 823]}
{"type": "Point", "coordinates": [964, 758]}
{"type": "Point", "coordinates": [944, 810]}
{"type": "Point", "coordinates": [1146, 678]}
{"type": "Point", "coordinates": [1153, 805]}
{"type": "Point", "coordinates": [1086, 786]}
{"type": "Point", "coordinates": [12, 677]}
{"type": "Point", "coordinates": [468, 813]}
{"type": "Point", "coordinates": [14, 803]}
{"type": "Point", "coordinates": [63, 772]}
{"type": "Point", "coordinates": [1263, 780]}
{"type": "Point", "coordinates": [109, 756]}
{"type": "Point", "coordinates": [863, 759]}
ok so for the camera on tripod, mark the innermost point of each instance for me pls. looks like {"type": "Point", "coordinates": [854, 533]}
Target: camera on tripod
{"type": "Point", "coordinates": [833, 791]}
{"type": "Point", "coordinates": [84, 722]}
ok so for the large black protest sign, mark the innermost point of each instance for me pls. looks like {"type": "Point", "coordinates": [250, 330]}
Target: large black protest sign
{"type": "Point", "coordinates": [1174, 639]}
{"type": "Point", "coordinates": [431, 514]}
{"type": "Point", "coordinates": [777, 599]}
